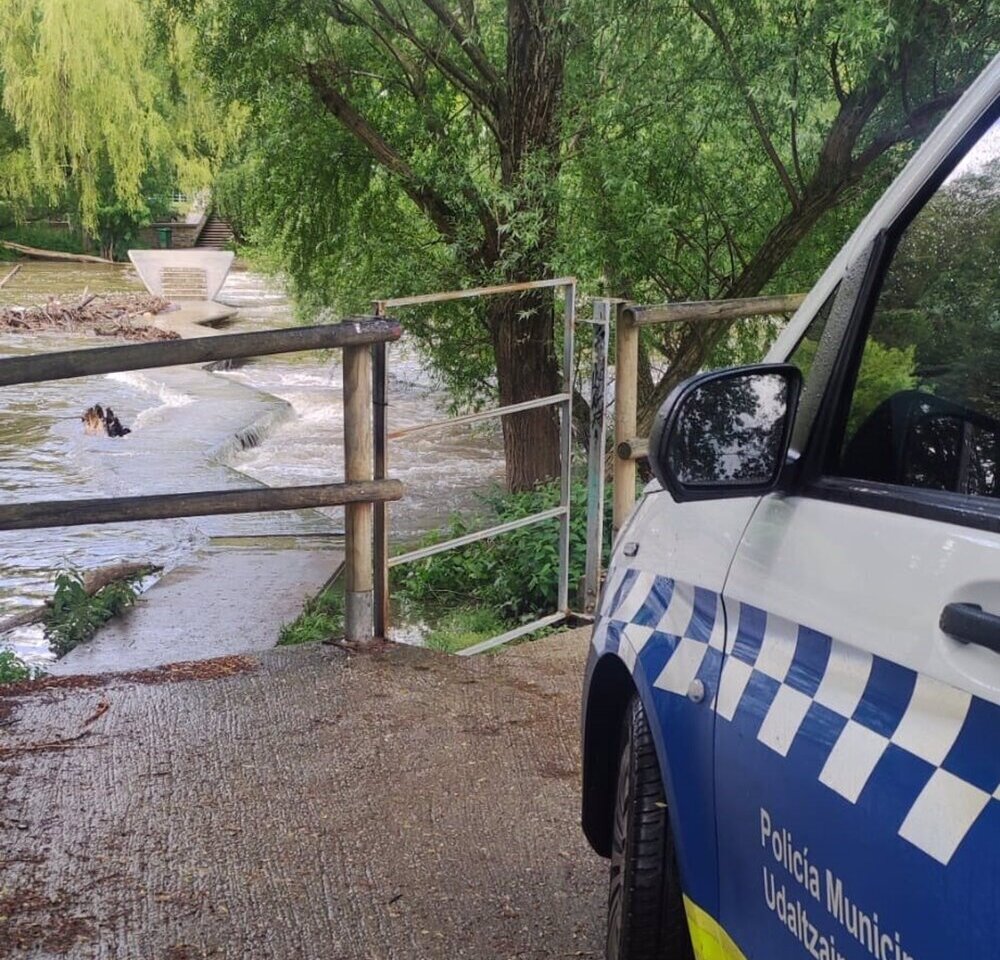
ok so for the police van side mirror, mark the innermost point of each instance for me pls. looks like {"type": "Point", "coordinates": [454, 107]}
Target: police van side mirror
{"type": "Point", "coordinates": [726, 433]}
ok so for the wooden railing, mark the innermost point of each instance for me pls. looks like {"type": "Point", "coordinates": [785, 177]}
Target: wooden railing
{"type": "Point", "coordinates": [358, 337]}
{"type": "Point", "coordinates": [630, 318]}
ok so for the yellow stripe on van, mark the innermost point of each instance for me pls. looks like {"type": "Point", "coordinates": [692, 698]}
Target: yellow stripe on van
{"type": "Point", "coordinates": [709, 940]}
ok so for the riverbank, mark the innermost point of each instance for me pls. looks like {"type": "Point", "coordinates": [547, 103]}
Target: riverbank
{"type": "Point", "coordinates": [273, 421]}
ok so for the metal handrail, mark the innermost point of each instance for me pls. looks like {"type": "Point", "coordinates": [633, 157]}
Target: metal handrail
{"type": "Point", "coordinates": [480, 415]}
{"type": "Point", "coordinates": [463, 541]}
{"type": "Point", "coordinates": [470, 293]}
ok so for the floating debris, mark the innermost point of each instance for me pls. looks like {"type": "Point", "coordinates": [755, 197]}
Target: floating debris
{"type": "Point", "coordinates": [98, 420]}
{"type": "Point", "coordinates": [128, 316]}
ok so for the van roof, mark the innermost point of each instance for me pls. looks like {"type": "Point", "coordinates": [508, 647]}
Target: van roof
{"type": "Point", "coordinates": [973, 104]}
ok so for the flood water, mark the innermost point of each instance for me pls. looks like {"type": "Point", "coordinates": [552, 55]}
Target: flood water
{"type": "Point", "coordinates": [274, 421]}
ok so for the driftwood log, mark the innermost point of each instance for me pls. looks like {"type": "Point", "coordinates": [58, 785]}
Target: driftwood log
{"type": "Point", "coordinates": [93, 582]}
{"type": "Point", "coordinates": [37, 254]}
{"type": "Point", "coordinates": [10, 275]}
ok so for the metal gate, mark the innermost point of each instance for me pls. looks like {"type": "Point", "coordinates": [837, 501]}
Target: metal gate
{"type": "Point", "coordinates": [563, 400]}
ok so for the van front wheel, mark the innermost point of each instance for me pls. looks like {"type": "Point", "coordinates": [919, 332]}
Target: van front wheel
{"type": "Point", "coordinates": [645, 908]}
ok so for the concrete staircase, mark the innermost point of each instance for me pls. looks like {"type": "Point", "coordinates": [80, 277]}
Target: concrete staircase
{"type": "Point", "coordinates": [216, 234]}
{"type": "Point", "coordinates": [184, 283]}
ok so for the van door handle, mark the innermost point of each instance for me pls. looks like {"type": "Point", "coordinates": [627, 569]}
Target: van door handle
{"type": "Point", "coordinates": [970, 623]}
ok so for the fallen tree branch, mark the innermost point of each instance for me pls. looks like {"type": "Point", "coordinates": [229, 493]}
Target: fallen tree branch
{"type": "Point", "coordinates": [93, 582]}
{"type": "Point", "coordinates": [10, 275]}
{"type": "Point", "coordinates": [37, 254]}
{"type": "Point", "coordinates": [126, 315]}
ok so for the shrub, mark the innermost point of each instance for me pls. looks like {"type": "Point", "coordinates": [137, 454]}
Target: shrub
{"type": "Point", "coordinates": [514, 575]}
{"type": "Point", "coordinates": [462, 627]}
{"type": "Point", "coordinates": [13, 669]}
{"type": "Point", "coordinates": [44, 237]}
{"type": "Point", "coordinates": [321, 618]}
{"type": "Point", "coordinates": [75, 616]}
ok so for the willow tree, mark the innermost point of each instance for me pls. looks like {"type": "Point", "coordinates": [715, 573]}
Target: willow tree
{"type": "Point", "coordinates": [669, 150]}
{"type": "Point", "coordinates": [795, 115]}
{"type": "Point", "coordinates": [460, 108]}
{"type": "Point", "coordinates": [97, 101]}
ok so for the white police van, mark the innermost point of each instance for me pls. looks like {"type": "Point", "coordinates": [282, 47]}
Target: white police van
{"type": "Point", "coordinates": [792, 704]}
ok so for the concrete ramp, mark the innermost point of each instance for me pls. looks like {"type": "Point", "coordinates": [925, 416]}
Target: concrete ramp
{"type": "Point", "coordinates": [183, 274]}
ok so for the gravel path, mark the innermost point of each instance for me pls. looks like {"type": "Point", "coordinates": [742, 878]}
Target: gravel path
{"type": "Point", "coordinates": [303, 803]}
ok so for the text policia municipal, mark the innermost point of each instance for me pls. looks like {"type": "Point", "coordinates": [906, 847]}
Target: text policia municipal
{"type": "Point", "coordinates": [827, 890]}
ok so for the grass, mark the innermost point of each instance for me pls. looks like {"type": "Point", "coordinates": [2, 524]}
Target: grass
{"type": "Point", "coordinates": [448, 630]}
{"type": "Point", "coordinates": [14, 670]}
{"type": "Point", "coordinates": [463, 627]}
{"type": "Point", "coordinates": [321, 618]}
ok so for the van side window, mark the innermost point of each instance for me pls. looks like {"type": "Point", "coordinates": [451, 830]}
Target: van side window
{"type": "Point", "coordinates": [925, 408]}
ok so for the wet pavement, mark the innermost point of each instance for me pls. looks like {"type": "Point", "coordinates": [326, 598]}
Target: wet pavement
{"type": "Point", "coordinates": [307, 803]}
{"type": "Point", "coordinates": [206, 608]}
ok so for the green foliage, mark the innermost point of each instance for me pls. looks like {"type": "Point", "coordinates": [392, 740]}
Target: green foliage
{"type": "Point", "coordinates": [75, 616]}
{"type": "Point", "coordinates": [321, 619]}
{"type": "Point", "coordinates": [940, 299]}
{"type": "Point", "coordinates": [515, 576]}
{"type": "Point", "coordinates": [885, 371]}
{"type": "Point", "coordinates": [44, 237]}
{"type": "Point", "coordinates": [14, 670]}
{"type": "Point", "coordinates": [463, 627]}
{"type": "Point", "coordinates": [702, 149]}
{"type": "Point", "coordinates": [96, 100]}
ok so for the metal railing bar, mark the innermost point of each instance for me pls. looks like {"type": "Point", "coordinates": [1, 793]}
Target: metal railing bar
{"type": "Point", "coordinates": [167, 506]}
{"type": "Point", "coordinates": [476, 536]}
{"type": "Point", "coordinates": [566, 442]}
{"type": "Point", "coordinates": [512, 634]}
{"type": "Point", "coordinates": [423, 298]}
{"type": "Point", "coordinates": [64, 365]}
{"type": "Point", "coordinates": [548, 401]}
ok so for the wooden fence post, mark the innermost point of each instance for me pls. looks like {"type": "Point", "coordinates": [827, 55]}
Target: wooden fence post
{"type": "Point", "coordinates": [359, 465]}
{"type": "Point", "coordinates": [626, 411]}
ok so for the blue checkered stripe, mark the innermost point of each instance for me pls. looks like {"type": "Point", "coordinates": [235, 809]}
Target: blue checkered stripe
{"type": "Point", "coordinates": [863, 723]}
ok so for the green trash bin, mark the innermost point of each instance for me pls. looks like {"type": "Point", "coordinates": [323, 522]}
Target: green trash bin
{"type": "Point", "coordinates": [165, 235]}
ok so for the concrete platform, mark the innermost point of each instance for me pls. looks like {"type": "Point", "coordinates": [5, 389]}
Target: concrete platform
{"type": "Point", "coordinates": [310, 805]}
{"type": "Point", "coordinates": [194, 318]}
{"type": "Point", "coordinates": [227, 600]}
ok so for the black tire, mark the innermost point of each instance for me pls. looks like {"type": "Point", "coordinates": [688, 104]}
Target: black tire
{"type": "Point", "coordinates": [645, 909]}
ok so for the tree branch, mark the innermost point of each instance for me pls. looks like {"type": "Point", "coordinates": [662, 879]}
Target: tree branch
{"type": "Point", "coordinates": [709, 17]}
{"type": "Point", "coordinates": [333, 99]}
{"type": "Point", "coordinates": [918, 121]}
{"type": "Point", "coordinates": [838, 87]}
{"type": "Point", "coordinates": [482, 98]}
{"type": "Point", "coordinates": [475, 53]}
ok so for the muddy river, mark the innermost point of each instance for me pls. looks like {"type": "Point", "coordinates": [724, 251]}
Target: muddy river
{"type": "Point", "coordinates": [292, 434]}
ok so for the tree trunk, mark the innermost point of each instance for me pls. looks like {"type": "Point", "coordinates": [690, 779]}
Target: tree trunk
{"type": "Point", "coordinates": [522, 328]}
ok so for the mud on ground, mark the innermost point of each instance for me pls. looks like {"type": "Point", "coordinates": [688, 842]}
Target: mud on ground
{"type": "Point", "coordinates": [307, 803]}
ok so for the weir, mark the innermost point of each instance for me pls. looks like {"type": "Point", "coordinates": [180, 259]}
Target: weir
{"type": "Point", "coordinates": [183, 274]}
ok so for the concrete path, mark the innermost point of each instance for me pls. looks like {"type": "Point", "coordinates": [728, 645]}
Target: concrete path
{"type": "Point", "coordinates": [230, 599]}
{"type": "Point", "coordinates": [253, 572]}
{"type": "Point", "coordinates": [307, 804]}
